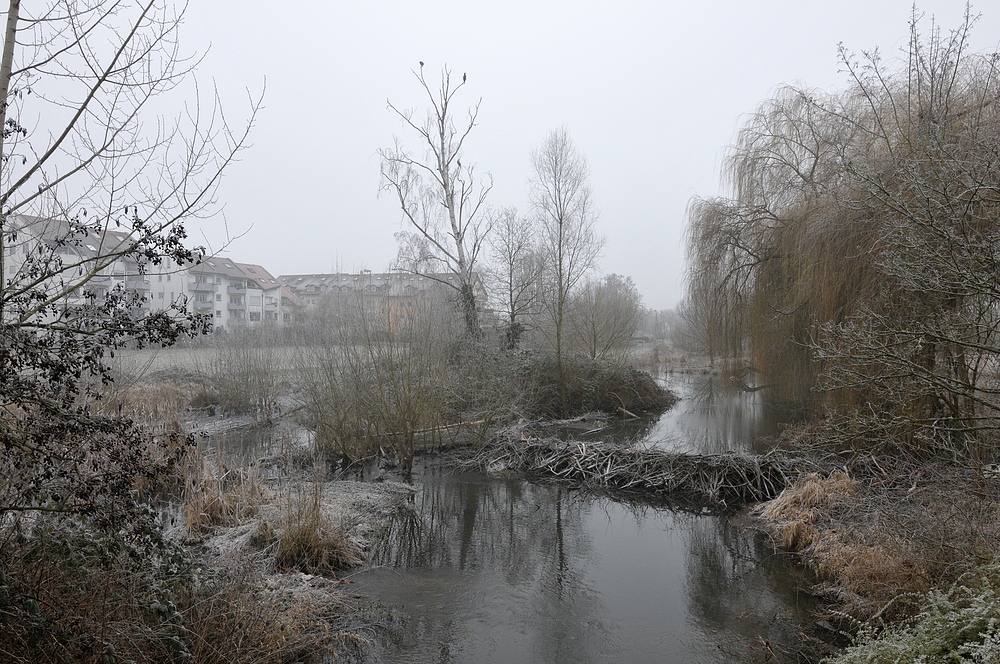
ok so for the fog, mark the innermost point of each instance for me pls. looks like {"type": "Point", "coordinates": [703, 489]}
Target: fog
{"type": "Point", "coordinates": [651, 92]}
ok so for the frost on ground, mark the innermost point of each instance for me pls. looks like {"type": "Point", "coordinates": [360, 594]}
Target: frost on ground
{"type": "Point", "coordinates": [301, 535]}
{"type": "Point", "coordinates": [356, 508]}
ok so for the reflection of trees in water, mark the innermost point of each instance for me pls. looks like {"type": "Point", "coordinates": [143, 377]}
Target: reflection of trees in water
{"type": "Point", "coordinates": [716, 414]}
{"type": "Point", "coordinates": [739, 588]}
{"type": "Point", "coordinates": [466, 521]}
{"type": "Point", "coordinates": [531, 536]}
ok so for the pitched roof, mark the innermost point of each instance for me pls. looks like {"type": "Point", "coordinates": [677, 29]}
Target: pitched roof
{"type": "Point", "coordinates": [256, 273]}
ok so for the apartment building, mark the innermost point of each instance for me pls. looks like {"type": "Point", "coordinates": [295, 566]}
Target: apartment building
{"type": "Point", "coordinates": [233, 294]}
{"type": "Point", "coordinates": [398, 292]}
{"type": "Point", "coordinates": [77, 265]}
{"type": "Point", "coordinates": [263, 295]}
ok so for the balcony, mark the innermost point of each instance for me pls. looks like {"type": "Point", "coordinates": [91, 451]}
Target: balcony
{"type": "Point", "coordinates": [237, 290]}
{"type": "Point", "coordinates": [203, 287]}
{"type": "Point", "coordinates": [137, 283]}
{"type": "Point", "coordinates": [237, 306]}
{"type": "Point", "coordinates": [203, 306]}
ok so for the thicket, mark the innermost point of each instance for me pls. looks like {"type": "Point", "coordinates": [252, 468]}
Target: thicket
{"type": "Point", "coordinates": [379, 376]}
{"type": "Point", "coordinates": [961, 624]}
{"type": "Point", "coordinates": [855, 260]}
{"type": "Point", "coordinates": [588, 385]}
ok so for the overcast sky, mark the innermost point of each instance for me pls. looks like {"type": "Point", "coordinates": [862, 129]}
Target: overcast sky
{"type": "Point", "coordinates": [651, 92]}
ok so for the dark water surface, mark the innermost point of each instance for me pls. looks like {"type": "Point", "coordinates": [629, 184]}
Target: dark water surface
{"type": "Point", "coordinates": [494, 569]}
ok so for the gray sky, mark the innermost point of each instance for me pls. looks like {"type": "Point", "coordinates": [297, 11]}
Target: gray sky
{"type": "Point", "coordinates": [651, 92]}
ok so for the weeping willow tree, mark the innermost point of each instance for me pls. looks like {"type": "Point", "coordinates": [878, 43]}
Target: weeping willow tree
{"type": "Point", "coordinates": [856, 256]}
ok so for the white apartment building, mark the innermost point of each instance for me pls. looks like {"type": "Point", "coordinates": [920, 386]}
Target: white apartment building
{"type": "Point", "coordinates": [81, 264]}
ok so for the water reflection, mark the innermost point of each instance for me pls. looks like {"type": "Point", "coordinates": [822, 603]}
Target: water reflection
{"type": "Point", "coordinates": [497, 570]}
{"type": "Point", "coordinates": [714, 415]}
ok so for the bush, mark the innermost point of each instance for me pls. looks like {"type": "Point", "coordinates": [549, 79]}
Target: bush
{"type": "Point", "coordinates": [590, 385]}
{"type": "Point", "coordinates": [68, 594]}
{"type": "Point", "coordinates": [961, 625]}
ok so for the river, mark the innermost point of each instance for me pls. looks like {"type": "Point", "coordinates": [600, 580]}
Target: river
{"type": "Point", "coordinates": [495, 569]}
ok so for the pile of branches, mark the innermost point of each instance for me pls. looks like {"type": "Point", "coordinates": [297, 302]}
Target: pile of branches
{"type": "Point", "coordinates": [725, 481]}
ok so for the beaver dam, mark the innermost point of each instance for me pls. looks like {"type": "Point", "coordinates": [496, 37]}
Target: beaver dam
{"type": "Point", "coordinates": [488, 567]}
{"type": "Point", "coordinates": [727, 480]}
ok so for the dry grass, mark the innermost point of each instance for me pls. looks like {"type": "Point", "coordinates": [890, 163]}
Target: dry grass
{"type": "Point", "coordinates": [878, 541]}
{"type": "Point", "coordinates": [156, 405]}
{"type": "Point", "coordinates": [215, 495]}
{"type": "Point", "coordinates": [307, 540]}
{"type": "Point", "coordinates": [233, 617]}
{"type": "Point", "coordinates": [795, 512]}
{"type": "Point", "coordinates": [57, 608]}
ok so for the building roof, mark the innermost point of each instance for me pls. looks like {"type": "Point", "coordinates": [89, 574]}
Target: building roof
{"type": "Point", "coordinates": [217, 265]}
{"type": "Point", "coordinates": [261, 277]}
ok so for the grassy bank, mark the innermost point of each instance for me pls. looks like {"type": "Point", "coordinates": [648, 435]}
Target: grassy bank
{"type": "Point", "coordinates": [905, 549]}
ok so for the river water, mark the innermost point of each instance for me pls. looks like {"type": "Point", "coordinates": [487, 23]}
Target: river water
{"type": "Point", "coordinates": [495, 569]}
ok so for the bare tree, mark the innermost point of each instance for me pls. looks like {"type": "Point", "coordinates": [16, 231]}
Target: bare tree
{"type": "Point", "coordinates": [91, 178]}
{"type": "Point", "coordinates": [562, 200]}
{"type": "Point", "coordinates": [442, 200]}
{"type": "Point", "coordinates": [515, 271]}
{"type": "Point", "coordinates": [604, 316]}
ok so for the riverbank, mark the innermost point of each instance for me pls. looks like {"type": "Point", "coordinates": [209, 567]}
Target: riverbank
{"type": "Point", "coordinates": [885, 532]}
{"type": "Point", "coordinates": [263, 509]}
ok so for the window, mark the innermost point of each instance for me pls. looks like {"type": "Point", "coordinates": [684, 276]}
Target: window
{"type": "Point", "coordinates": [218, 314]}
{"type": "Point", "coordinates": [159, 295]}
{"type": "Point", "coordinates": [254, 315]}
{"type": "Point", "coordinates": [159, 277]}
{"type": "Point", "coordinates": [218, 297]}
{"type": "Point", "coordinates": [168, 277]}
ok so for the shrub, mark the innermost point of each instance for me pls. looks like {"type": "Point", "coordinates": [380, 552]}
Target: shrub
{"type": "Point", "coordinates": [590, 385]}
{"type": "Point", "coordinates": [960, 625]}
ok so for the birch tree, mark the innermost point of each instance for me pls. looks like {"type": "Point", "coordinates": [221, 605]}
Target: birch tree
{"type": "Point", "coordinates": [563, 203]}
{"type": "Point", "coordinates": [443, 201]}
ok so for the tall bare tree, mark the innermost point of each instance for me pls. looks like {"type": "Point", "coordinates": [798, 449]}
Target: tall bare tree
{"type": "Point", "coordinates": [563, 203]}
{"type": "Point", "coordinates": [443, 201]}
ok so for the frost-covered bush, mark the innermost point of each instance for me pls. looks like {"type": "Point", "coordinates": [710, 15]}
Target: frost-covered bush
{"type": "Point", "coordinates": [961, 625]}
